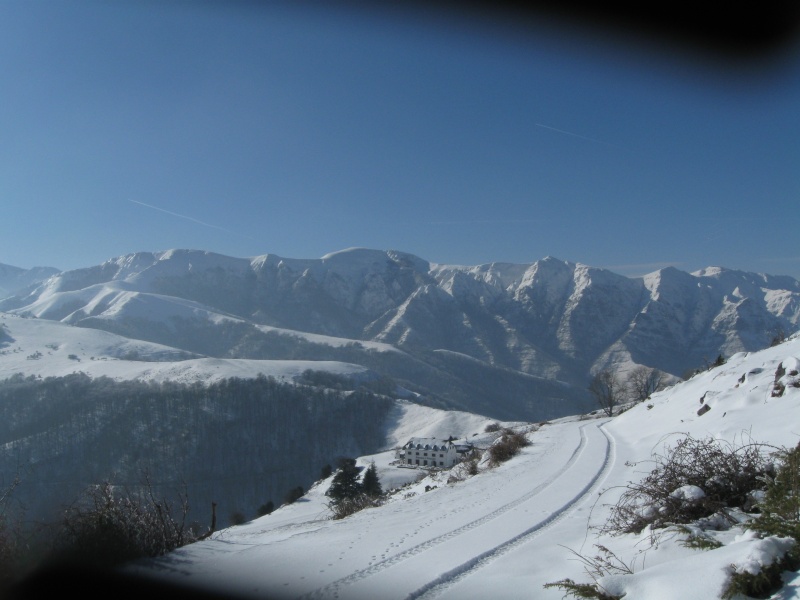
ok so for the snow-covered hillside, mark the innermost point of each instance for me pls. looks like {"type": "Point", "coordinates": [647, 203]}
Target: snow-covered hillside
{"type": "Point", "coordinates": [14, 279]}
{"type": "Point", "coordinates": [509, 530]}
{"type": "Point", "coordinates": [134, 406]}
{"type": "Point", "coordinates": [540, 317]}
{"type": "Point", "coordinates": [553, 320]}
{"type": "Point", "coordinates": [46, 348]}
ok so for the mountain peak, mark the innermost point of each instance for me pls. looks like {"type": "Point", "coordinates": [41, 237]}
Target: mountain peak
{"type": "Point", "coordinates": [710, 272]}
{"type": "Point", "coordinates": [354, 252]}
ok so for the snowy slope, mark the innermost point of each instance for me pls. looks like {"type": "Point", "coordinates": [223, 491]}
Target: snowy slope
{"type": "Point", "coordinates": [507, 531]}
{"type": "Point", "coordinates": [51, 349]}
{"type": "Point", "coordinates": [552, 318]}
{"type": "Point", "coordinates": [15, 279]}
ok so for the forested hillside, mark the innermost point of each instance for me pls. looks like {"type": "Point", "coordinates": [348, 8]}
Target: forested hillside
{"type": "Point", "coordinates": [239, 442]}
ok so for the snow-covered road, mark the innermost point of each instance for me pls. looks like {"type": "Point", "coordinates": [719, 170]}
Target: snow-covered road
{"type": "Point", "coordinates": [420, 547]}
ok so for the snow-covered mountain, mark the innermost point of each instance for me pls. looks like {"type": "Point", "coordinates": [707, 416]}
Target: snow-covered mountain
{"type": "Point", "coordinates": [453, 333]}
{"type": "Point", "coordinates": [42, 348]}
{"type": "Point", "coordinates": [15, 279]}
{"type": "Point", "coordinates": [490, 339]}
{"type": "Point", "coordinates": [507, 531]}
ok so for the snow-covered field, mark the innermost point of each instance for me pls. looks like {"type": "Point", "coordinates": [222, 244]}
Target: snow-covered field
{"type": "Point", "coordinates": [507, 531]}
{"type": "Point", "coordinates": [47, 348]}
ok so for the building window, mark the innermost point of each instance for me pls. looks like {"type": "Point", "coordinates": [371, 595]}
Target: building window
{"type": "Point", "coordinates": [417, 461]}
{"type": "Point", "coordinates": [425, 463]}
{"type": "Point", "coordinates": [441, 463]}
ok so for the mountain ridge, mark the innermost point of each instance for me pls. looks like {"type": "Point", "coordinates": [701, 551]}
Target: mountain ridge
{"type": "Point", "coordinates": [552, 319]}
{"type": "Point", "coordinates": [14, 279]}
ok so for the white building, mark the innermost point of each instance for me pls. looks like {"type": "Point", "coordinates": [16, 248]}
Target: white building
{"type": "Point", "coordinates": [429, 452]}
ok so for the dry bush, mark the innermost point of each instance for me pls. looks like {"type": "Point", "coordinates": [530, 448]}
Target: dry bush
{"type": "Point", "coordinates": [109, 527]}
{"type": "Point", "coordinates": [605, 562]}
{"type": "Point", "coordinates": [507, 446]}
{"type": "Point", "coordinates": [780, 508]}
{"type": "Point", "coordinates": [348, 506]}
{"type": "Point", "coordinates": [780, 516]}
{"type": "Point", "coordinates": [725, 474]}
{"type": "Point", "coordinates": [466, 469]}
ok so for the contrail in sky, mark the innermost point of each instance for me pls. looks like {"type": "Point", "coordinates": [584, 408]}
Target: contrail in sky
{"type": "Point", "coordinates": [583, 137]}
{"type": "Point", "coordinates": [487, 221]}
{"type": "Point", "coordinates": [174, 214]}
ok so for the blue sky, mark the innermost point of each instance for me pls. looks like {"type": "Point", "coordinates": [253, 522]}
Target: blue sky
{"type": "Point", "coordinates": [248, 129]}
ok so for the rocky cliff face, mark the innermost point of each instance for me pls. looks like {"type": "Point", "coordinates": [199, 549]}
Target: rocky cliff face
{"type": "Point", "coordinates": [551, 319]}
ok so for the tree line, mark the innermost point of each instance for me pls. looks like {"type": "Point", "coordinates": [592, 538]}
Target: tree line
{"type": "Point", "coordinates": [237, 442]}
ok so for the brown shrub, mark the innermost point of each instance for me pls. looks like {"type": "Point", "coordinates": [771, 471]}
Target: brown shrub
{"type": "Point", "coordinates": [507, 446]}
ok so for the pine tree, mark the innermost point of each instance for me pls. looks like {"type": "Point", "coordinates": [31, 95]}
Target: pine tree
{"type": "Point", "coordinates": [326, 472]}
{"type": "Point", "coordinates": [371, 485]}
{"type": "Point", "coordinates": [345, 483]}
{"type": "Point", "coordinates": [293, 495]}
{"type": "Point", "coordinates": [266, 509]}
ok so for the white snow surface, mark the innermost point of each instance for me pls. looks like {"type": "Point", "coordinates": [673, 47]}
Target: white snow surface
{"type": "Point", "coordinates": [509, 530]}
{"type": "Point", "coordinates": [329, 340]}
{"type": "Point", "coordinates": [46, 348]}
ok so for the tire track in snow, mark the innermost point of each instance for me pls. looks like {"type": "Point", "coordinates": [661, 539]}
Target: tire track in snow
{"type": "Point", "coordinates": [464, 570]}
{"type": "Point", "coordinates": [332, 589]}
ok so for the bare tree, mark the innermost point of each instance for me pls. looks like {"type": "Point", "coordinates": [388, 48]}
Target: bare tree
{"type": "Point", "coordinates": [644, 381]}
{"type": "Point", "coordinates": [109, 526]}
{"type": "Point", "coordinates": [607, 390]}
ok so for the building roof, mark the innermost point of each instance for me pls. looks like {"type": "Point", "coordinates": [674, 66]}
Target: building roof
{"type": "Point", "coordinates": [428, 443]}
